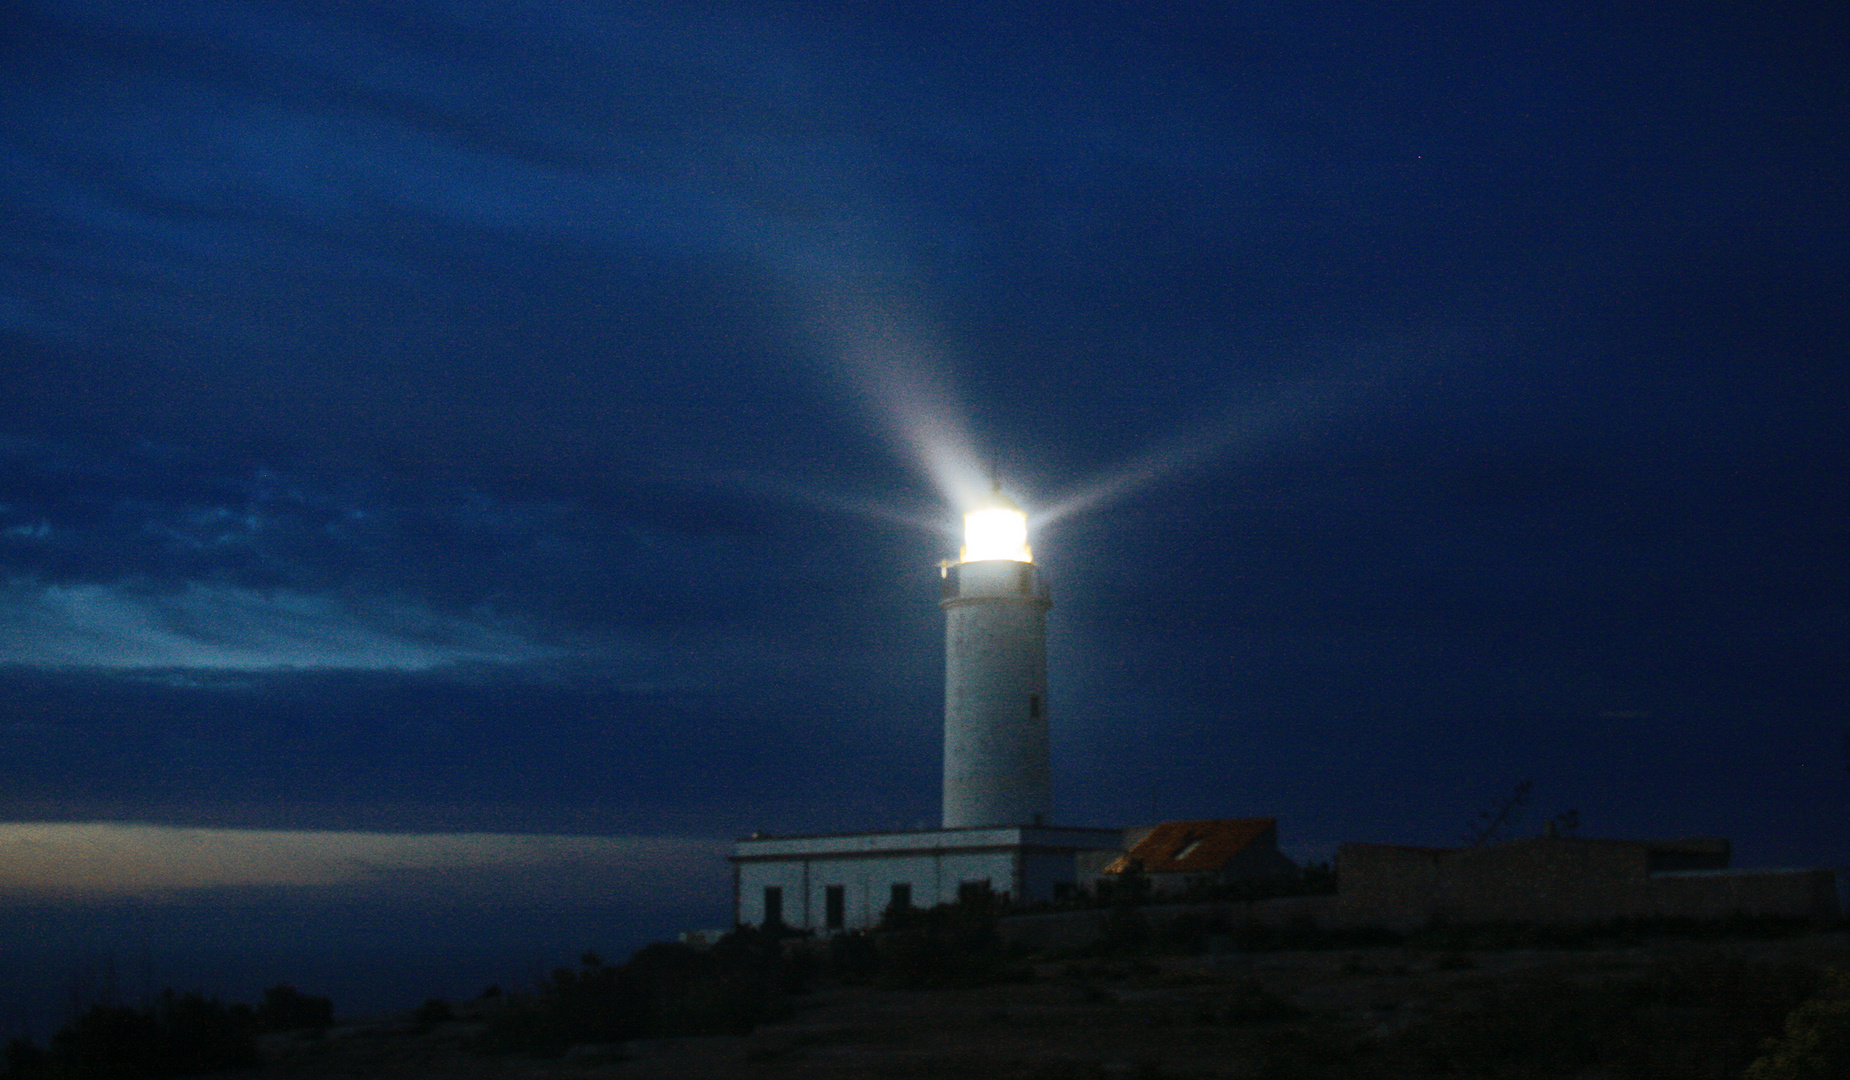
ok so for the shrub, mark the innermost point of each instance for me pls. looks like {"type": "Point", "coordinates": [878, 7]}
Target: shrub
{"type": "Point", "coordinates": [663, 989]}
{"type": "Point", "coordinates": [1248, 1002]}
{"type": "Point", "coordinates": [434, 1011]}
{"type": "Point", "coordinates": [1815, 1044]}
{"type": "Point", "coordinates": [1697, 1017]}
{"type": "Point", "coordinates": [854, 957]}
{"type": "Point", "coordinates": [284, 1008]}
{"type": "Point", "coordinates": [23, 1057]}
{"type": "Point", "coordinates": [180, 1035]}
{"type": "Point", "coordinates": [950, 945]}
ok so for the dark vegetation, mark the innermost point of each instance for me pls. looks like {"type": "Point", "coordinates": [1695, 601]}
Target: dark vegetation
{"type": "Point", "coordinates": [175, 1035]}
{"type": "Point", "coordinates": [1814, 1043]}
{"type": "Point", "coordinates": [748, 977]}
{"type": "Point", "coordinates": [1699, 1014]}
{"type": "Point", "coordinates": [1700, 1017]}
{"type": "Point", "coordinates": [1183, 933]}
{"type": "Point", "coordinates": [745, 979]}
{"type": "Point", "coordinates": [1441, 1002]}
{"type": "Point", "coordinates": [1707, 1015]}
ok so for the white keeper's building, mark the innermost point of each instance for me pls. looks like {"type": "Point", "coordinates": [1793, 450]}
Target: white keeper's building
{"type": "Point", "coordinates": [997, 787]}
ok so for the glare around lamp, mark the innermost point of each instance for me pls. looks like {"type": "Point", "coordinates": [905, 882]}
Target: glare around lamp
{"type": "Point", "coordinates": [997, 529]}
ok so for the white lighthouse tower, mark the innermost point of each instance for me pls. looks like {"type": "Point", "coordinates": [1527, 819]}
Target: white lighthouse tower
{"type": "Point", "coordinates": [996, 769]}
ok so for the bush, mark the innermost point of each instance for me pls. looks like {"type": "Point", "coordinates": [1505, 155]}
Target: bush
{"type": "Point", "coordinates": [434, 1011]}
{"type": "Point", "coordinates": [854, 957]}
{"type": "Point", "coordinates": [1615, 933]}
{"type": "Point", "coordinates": [24, 1058]}
{"type": "Point", "coordinates": [1127, 930]}
{"type": "Point", "coordinates": [951, 945]}
{"type": "Point", "coordinates": [180, 1035]}
{"type": "Point", "coordinates": [744, 980]}
{"type": "Point", "coordinates": [1696, 1018]}
{"type": "Point", "coordinates": [177, 1035]}
{"type": "Point", "coordinates": [1248, 1002]}
{"type": "Point", "coordinates": [1303, 933]}
{"type": "Point", "coordinates": [1815, 1044]}
{"type": "Point", "coordinates": [284, 1008]}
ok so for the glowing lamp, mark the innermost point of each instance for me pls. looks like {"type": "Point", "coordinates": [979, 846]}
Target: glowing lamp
{"type": "Point", "coordinates": [997, 529]}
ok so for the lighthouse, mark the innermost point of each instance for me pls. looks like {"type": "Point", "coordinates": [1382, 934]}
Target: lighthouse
{"type": "Point", "coordinates": [996, 769]}
{"type": "Point", "coordinates": [995, 837]}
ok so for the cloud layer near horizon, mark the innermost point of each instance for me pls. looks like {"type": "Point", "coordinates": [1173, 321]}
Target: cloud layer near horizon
{"type": "Point", "coordinates": [102, 860]}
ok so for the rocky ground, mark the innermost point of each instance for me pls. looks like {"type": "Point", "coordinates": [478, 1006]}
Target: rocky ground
{"type": "Point", "coordinates": [1673, 1009]}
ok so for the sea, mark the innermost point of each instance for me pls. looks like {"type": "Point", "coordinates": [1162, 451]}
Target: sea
{"type": "Point", "coordinates": [58, 958]}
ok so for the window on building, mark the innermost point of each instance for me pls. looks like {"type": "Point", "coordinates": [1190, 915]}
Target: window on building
{"type": "Point", "coordinates": [773, 905]}
{"type": "Point", "coordinates": [902, 896]}
{"type": "Point", "coordinates": [834, 906]}
{"type": "Point", "coordinates": [974, 892]}
{"type": "Point", "coordinates": [1034, 706]}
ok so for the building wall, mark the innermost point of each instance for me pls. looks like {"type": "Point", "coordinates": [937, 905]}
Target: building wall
{"type": "Point", "coordinates": [1691, 895]}
{"type": "Point", "coordinates": [867, 884]}
{"type": "Point", "coordinates": [1089, 867]}
{"type": "Point", "coordinates": [1025, 864]}
{"type": "Point", "coordinates": [1565, 880]}
{"type": "Point", "coordinates": [1541, 880]}
{"type": "Point", "coordinates": [1388, 884]}
{"type": "Point", "coordinates": [1043, 874]}
{"type": "Point", "coordinates": [1701, 894]}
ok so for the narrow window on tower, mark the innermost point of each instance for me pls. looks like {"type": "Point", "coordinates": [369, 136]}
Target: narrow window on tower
{"type": "Point", "coordinates": [1034, 706]}
{"type": "Point", "coordinates": [834, 906]}
{"type": "Point", "coordinates": [773, 905]}
{"type": "Point", "coordinates": [902, 896]}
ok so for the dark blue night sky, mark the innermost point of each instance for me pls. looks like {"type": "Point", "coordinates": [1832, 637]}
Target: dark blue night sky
{"type": "Point", "coordinates": [546, 418]}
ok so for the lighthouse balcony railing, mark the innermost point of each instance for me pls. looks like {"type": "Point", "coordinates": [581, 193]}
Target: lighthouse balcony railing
{"type": "Point", "coordinates": [992, 578]}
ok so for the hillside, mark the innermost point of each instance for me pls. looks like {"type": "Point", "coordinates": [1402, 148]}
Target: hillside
{"type": "Point", "coordinates": [1666, 1009]}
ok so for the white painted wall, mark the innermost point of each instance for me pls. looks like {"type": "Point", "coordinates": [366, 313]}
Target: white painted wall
{"type": "Point", "coordinates": [996, 764]}
{"type": "Point", "coordinates": [1024, 863]}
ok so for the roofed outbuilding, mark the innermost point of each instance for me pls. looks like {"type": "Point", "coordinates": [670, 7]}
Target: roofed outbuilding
{"type": "Point", "coordinates": [1177, 854]}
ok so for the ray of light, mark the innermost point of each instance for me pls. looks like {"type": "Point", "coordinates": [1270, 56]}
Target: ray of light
{"type": "Point", "coordinates": [853, 505]}
{"type": "Point", "coordinates": [857, 317]}
{"type": "Point", "coordinates": [1246, 425]}
{"type": "Point", "coordinates": [882, 352]}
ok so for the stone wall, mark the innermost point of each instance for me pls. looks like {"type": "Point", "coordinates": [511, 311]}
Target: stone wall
{"type": "Point", "coordinates": [1699, 894]}
{"type": "Point", "coordinates": [1076, 929]}
{"type": "Point", "coordinates": [1566, 880]}
{"type": "Point", "coordinates": [1547, 880]}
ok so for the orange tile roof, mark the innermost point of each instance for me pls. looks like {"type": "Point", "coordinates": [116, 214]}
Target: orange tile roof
{"type": "Point", "coordinates": [1198, 847]}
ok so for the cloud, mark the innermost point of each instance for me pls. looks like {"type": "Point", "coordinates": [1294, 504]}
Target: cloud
{"type": "Point", "coordinates": [223, 628]}
{"type": "Point", "coordinates": [102, 860]}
